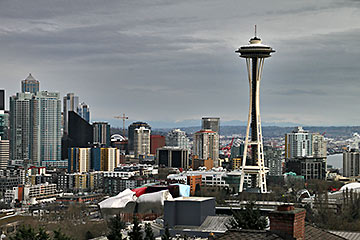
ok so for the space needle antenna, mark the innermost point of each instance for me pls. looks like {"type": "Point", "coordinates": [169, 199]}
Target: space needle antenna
{"type": "Point", "coordinates": [253, 164]}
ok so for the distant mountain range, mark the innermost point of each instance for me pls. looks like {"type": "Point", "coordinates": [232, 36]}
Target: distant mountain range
{"type": "Point", "coordinates": [194, 122]}
{"type": "Point", "coordinates": [268, 131]}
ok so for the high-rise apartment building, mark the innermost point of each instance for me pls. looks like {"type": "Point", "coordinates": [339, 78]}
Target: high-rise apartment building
{"type": "Point", "coordinates": [79, 160]}
{"type": "Point", "coordinates": [30, 85]}
{"type": "Point", "coordinates": [131, 133]}
{"type": "Point", "coordinates": [308, 167]}
{"type": "Point", "coordinates": [298, 143]}
{"type": "Point", "coordinates": [70, 103]}
{"type": "Point", "coordinates": [206, 145]}
{"type": "Point", "coordinates": [4, 153]}
{"type": "Point", "coordinates": [20, 126]}
{"type": "Point", "coordinates": [141, 141]}
{"type": "Point", "coordinates": [101, 135]}
{"type": "Point", "coordinates": [45, 127]}
{"type": "Point", "coordinates": [273, 160]}
{"type": "Point", "coordinates": [177, 138]}
{"type": "Point", "coordinates": [212, 123]}
{"type": "Point", "coordinates": [84, 111]}
{"type": "Point", "coordinates": [35, 126]}
{"type": "Point", "coordinates": [351, 163]}
{"type": "Point", "coordinates": [319, 145]}
{"type": "Point", "coordinates": [104, 159]}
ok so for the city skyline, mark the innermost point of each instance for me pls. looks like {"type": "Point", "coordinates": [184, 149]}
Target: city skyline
{"type": "Point", "coordinates": [175, 62]}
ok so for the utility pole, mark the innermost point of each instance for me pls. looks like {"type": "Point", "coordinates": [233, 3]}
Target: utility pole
{"type": "Point", "coordinates": [123, 117]}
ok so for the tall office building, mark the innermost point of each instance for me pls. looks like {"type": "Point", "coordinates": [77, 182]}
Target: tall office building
{"type": "Point", "coordinates": [20, 126]}
{"type": "Point", "coordinates": [318, 145]}
{"type": "Point", "coordinates": [45, 128]}
{"type": "Point", "coordinates": [84, 111]}
{"type": "Point", "coordinates": [172, 157]}
{"type": "Point", "coordinates": [141, 141]}
{"type": "Point", "coordinates": [206, 145]}
{"type": "Point", "coordinates": [30, 85]}
{"type": "Point", "coordinates": [71, 103]}
{"type": "Point", "coordinates": [4, 153]}
{"type": "Point", "coordinates": [101, 135]}
{"type": "Point", "coordinates": [212, 123]}
{"type": "Point", "coordinates": [298, 143]}
{"type": "Point", "coordinates": [80, 134]}
{"type": "Point", "coordinates": [131, 133]}
{"type": "Point", "coordinates": [177, 138]}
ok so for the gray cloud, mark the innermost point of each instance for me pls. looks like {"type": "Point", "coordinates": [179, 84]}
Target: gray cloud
{"type": "Point", "coordinates": [175, 60]}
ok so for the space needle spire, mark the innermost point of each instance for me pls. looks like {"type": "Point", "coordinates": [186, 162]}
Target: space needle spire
{"type": "Point", "coordinates": [254, 53]}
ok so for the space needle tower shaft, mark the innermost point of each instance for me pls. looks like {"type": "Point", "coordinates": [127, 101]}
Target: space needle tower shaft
{"type": "Point", "coordinates": [254, 53]}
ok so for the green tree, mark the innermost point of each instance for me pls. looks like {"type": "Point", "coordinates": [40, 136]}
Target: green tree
{"type": "Point", "coordinates": [166, 235]}
{"type": "Point", "coordinates": [58, 235]}
{"type": "Point", "coordinates": [149, 235]}
{"type": "Point", "coordinates": [24, 232]}
{"type": "Point", "coordinates": [115, 226]}
{"type": "Point", "coordinates": [42, 235]}
{"type": "Point", "coordinates": [136, 233]}
{"type": "Point", "coordinates": [248, 218]}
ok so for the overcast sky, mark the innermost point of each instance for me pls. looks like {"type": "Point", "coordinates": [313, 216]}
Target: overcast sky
{"type": "Point", "coordinates": [172, 61]}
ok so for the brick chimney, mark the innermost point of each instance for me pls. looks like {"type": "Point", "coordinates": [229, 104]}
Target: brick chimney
{"type": "Point", "coordinates": [288, 222]}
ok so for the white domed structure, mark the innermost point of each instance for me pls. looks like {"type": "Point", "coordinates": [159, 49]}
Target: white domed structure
{"type": "Point", "coordinates": [117, 138]}
{"type": "Point", "coordinates": [355, 186]}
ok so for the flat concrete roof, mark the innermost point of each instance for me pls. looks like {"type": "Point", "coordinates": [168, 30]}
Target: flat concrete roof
{"type": "Point", "coordinates": [197, 199]}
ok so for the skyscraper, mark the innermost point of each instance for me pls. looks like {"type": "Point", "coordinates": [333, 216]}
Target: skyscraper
{"type": "Point", "coordinates": [20, 126]}
{"type": "Point", "coordinates": [101, 135]}
{"type": "Point", "coordinates": [212, 123]}
{"type": "Point", "coordinates": [254, 53]}
{"type": "Point", "coordinates": [131, 132]}
{"type": "Point", "coordinates": [80, 134]}
{"type": "Point", "coordinates": [45, 128]}
{"type": "Point", "coordinates": [30, 85]}
{"type": "Point", "coordinates": [84, 111]}
{"type": "Point", "coordinates": [177, 138]}
{"type": "Point", "coordinates": [71, 103]}
{"type": "Point", "coordinates": [298, 143]}
{"type": "Point", "coordinates": [141, 141]}
{"type": "Point", "coordinates": [206, 145]}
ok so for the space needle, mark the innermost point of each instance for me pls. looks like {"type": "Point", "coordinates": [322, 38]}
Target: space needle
{"type": "Point", "coordinates": [254, 53]}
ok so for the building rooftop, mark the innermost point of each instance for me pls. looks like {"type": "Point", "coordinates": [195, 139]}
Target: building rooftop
{"type": "Point", "coordinates": [195, 199]}
{"type": "Point", "coordinates": [30, 78]}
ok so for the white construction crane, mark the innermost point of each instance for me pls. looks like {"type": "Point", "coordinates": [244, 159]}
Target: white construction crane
{"type": "Point", "coordinates": [123, 117]}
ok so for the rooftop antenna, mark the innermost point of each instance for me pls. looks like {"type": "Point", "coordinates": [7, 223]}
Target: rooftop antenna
{"type": "Point", "coordinates": [255, 30]}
